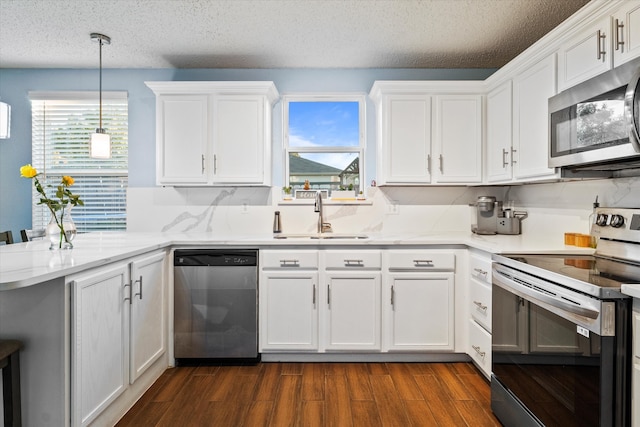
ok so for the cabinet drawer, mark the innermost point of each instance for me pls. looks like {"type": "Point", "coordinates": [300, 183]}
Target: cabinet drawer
{"type": "Point", "coordinates": [289, 259]}
{"type": "Point", "coordinates": [480, 347]}
{"type": "Point", "coordinates": [353, 259]}
{"type": "Point", "coordinates": [480, 268]}
{"type": "Point", "coordinates": [480, 303]}
{"type": "Point", "coordinates": [421, 261]}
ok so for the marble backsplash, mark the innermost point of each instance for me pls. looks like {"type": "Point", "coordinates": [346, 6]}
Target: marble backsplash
{"type": "Point", "coordinates": [553, 208]}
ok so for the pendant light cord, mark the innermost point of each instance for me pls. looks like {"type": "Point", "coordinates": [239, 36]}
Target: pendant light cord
{"type": "Point", "coordinates": [100, 41]}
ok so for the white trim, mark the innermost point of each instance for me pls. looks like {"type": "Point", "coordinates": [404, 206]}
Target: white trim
{"type": "Point", "coordinates": [76, 95]}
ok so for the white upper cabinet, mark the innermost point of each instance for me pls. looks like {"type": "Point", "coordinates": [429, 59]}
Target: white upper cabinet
{"type": "Point", "coordinates": [626, 32]}
{"type": "Point", "coordinates": [604, 42]}
{"type": "Point", "coordinates": [213, 133]}
{"type": "Point", "coordinates": [182, 138]}
{"type": "Point", "coordinates": [406, 129]}
{"type": "Point", "coordinates": [457, 147]}
{"type": "Point", "coordinates": [532, 89]}
{"type": "Point", "coordinates": [420, 139]}
{"type": "Point", "coordinates": [499, 134]}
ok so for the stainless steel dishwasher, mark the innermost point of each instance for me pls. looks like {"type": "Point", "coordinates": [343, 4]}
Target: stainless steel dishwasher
{"type": "Point", "coordinates": [215, 305]}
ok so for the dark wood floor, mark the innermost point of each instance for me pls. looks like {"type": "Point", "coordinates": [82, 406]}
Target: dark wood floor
{"type": "Point", "coordinates": [317, 394]}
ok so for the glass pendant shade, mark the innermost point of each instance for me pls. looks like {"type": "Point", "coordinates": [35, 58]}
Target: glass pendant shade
{"type": "Point", "coordinates": [100, 145]}
{"type": "Point", "coordinates": [5, 120]}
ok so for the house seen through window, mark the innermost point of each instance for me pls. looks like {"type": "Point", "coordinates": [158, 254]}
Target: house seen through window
{"type": "Point", "coordinates": [324, 142]}
{"type": "Point", "coordinates": [62, 123]}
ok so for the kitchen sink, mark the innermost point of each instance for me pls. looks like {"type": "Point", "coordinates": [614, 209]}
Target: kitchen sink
{"type": "Point", "coordinates": [321, 236]}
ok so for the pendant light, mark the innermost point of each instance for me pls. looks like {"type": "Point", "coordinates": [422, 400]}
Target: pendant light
{"type": "Point", "coordinates": [100, 146]}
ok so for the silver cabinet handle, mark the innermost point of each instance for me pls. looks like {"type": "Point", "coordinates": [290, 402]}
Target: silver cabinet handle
{"type": "Point", "coordinates": [140, 293]}
{"type": "Point", "coordinates": [441, 164]}
{"type": "Point", "coordinates": [429, 163]}
{"type": "Point", "coordinates": [513, 160]}
{"type": "Point", "coordinates": [328, 294]}
{"type": "Point", "coordinates": [505, 162]}
{"type": "Point", "coordinates": [203, 164]}
{"type": "Point", "coordinates": [289, 263]}
{"type": "Point", "coordinates": [477, 349]}
{"type": "Point", "coordinates": [423, 262]}
{"type": "Point", "coordinates": [480, 305]}
{"type": "Point", "coordinates": [314, 294]}
{"type": "Point", "coordinates": [619, 39]}
{"type": "Point", "coordinates": [353, 263]}
{"type": "Point", "coordinates": [480, 271]}
{"type": "Point", "coordinates": [393, 291]}
{"type": "Point", "coordinates": [600, 40]}
{"type": "Point", "coordinates": [128, 285]}
{"type": "Point", "coordinates": [215, 164]}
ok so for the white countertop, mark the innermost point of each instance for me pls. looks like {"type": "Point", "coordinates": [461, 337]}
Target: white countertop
{"type": "Point", "coordinates": [26, 264]}
{"type": "Point", "coordinates": [631, 290]}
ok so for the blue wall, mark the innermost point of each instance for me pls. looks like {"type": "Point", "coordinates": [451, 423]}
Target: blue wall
{"type": "Point", "coordinates": [15, 193]}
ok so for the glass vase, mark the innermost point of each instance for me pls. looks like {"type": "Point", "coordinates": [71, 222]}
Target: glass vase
{"type": "Point", "coordinates": [61, 229]}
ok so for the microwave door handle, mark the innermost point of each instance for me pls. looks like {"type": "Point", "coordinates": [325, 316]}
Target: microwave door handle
{"type": "Point", "coordinates": [629, 106]}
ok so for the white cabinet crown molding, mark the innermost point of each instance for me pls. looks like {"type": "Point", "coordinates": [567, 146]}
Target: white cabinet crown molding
{"type": "Point", "coordinates": [433, 87]}
{"type": "Point", "coordinates": [265, 88]}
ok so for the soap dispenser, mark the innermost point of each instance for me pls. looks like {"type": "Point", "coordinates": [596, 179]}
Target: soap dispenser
{"type": "Point", "coordinates": [277, 226]}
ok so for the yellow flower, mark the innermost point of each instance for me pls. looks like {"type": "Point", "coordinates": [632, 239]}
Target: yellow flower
{"type": "Point", "coordinates": [28, 171]}
{"type": "Point", "coordinates": [67, 181]}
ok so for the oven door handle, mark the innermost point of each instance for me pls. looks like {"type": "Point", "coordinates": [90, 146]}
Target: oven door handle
{"type": "Point", "coordinates": [505, 282]}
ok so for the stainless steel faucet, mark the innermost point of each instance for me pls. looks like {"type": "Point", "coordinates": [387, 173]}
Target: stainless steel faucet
{"type": "Point", "coordinates": [323, 227]}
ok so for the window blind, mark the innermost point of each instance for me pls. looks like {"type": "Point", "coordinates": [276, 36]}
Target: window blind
{"type": "Point", "coordinates": [62, 123]}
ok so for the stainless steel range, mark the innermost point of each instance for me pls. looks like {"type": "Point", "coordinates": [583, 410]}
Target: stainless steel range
{"type": "Point", "coordinates": [561, 331]}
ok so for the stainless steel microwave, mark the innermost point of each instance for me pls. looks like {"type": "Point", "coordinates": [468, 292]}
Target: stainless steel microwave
{"type": "Point", "coordinates": [594, 125]}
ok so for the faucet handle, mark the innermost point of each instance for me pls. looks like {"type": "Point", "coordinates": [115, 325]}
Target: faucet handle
{"type": "Point", "coordinates": [326, 227]}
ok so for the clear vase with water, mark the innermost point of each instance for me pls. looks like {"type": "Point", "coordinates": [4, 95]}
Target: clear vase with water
{"type": "Point", "coordinates": [61, 229]}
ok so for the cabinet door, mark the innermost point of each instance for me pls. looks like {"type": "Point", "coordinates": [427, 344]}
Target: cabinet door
{"type": "Point", "coordinates": [457, 147]}
{"type": "Point", "coordinates": [99, 338]}
{"type": "Point", "coordinates": [585, 55]}
{"type": "Point", "coordinates": [148, 308]}
{"type": "Point", "coordinates": [405, 147]}
{"type": "Point", "coordinates": [289, 310]}
{"type": "Point", "coordinates": [239, 140]}
{"type": "Point", "coordinates": [182, 133]}
{"type": "Point", "coordinates": [499, 133]}
{"type": "Point", "coordinates": [420, 311]}
{"type": "Point", "coordinates": [531, 92]}
{"type": "Point", "coordinates": [626, 33]}
{"type": "Point", "coordinates": [352, 320]}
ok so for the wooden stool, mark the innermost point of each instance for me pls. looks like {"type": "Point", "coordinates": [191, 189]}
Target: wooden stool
{"type": "Point", "coordinates": [10, 365]}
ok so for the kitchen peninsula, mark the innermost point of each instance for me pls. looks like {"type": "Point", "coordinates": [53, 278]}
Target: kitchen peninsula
{"type": "Point", "coordinates": [39, 303]}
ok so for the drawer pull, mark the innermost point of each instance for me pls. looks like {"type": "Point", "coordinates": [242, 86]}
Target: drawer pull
{"type": "Point", "coordinates": [481, 271]}
{"type": "Point", "coordinates": [353, 262]}
{"type": "Point", "coordinates": [477, 349]}
{"type": "Point", "coordinates": [423, 262]}
{"type": "Point", "coordinates": [480, 305]}
{"type": "Point", "coordinates": [314, 294]}
{"type": "Point", "coordinates": [289, 262]}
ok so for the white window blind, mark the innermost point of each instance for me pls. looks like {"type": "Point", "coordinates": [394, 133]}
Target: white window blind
{"type": "Point", "coordinates": [62, 123]}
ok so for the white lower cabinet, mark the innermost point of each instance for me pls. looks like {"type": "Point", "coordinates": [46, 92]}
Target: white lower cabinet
{"type": "Point", "coordinates": [288, 300]}
{"type": "Point", "coordinates": [419, 311]}
{"type": "Point", "coordinates": [480, 303]}
{"type": "Point", "coordinates": [352, 313]}
{"type": "Point", "coordinates": [289, 310]}
{"type": "Point", "coordinates": [419, 301]}
{"type": "Point", "coordinates": [118, 330]}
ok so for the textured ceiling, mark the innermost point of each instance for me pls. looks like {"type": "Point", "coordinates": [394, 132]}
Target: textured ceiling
{"type": "Point", "coordinates": [274, 33]}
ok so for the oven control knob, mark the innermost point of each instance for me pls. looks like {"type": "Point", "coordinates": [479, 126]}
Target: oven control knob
{"type": "Point", "coordinates": [601, 220]}
{"type": "Point", "coordinates": [617, 221]}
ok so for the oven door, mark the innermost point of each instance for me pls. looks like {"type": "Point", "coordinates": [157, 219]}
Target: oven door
{"type": "Point", "coordinates": [549, 370]}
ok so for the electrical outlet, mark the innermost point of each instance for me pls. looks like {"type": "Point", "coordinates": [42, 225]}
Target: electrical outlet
{"type": "Point", "coordinates": [245, 207]}
{"type": "Point", "coordinates": [392, 207]}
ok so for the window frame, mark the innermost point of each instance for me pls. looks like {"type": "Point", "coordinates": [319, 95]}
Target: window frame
{"type": "Point", "coordinates": [358, 97]}
{"type": "Point", "coordinates": [114, 172]}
